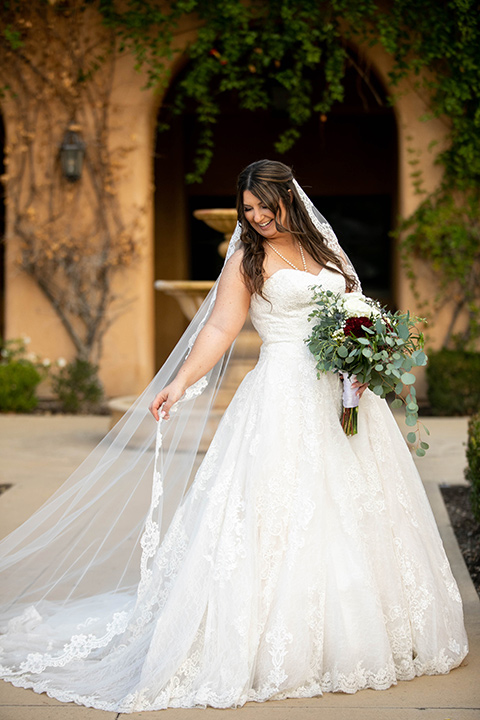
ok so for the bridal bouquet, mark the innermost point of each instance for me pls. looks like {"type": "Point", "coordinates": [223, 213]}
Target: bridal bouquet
{"type": "Point", "coordinates": [358, 338]}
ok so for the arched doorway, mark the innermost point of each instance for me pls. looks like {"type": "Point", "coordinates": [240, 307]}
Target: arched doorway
{"type": "Point", "coordinates": [347, 162]}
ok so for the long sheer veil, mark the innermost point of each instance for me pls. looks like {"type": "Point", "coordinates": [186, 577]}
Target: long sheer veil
{"type": "Point", "coordinates": [84, 560]}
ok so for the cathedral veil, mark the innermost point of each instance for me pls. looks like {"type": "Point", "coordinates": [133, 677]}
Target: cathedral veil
{"type": "Point", "coordinates": [86, 556]}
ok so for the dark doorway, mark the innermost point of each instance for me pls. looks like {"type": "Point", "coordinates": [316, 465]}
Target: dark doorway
{"type": "Point", "coordinates": [347, 162]}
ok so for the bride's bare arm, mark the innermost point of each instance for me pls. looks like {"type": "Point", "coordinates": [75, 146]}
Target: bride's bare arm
{"type": "Point", "coordinates": [221, 329]}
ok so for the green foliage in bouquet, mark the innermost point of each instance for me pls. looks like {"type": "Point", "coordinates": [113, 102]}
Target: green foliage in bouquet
{"type": "Point", "coordinates": [78, 387]}
{"type": "Point", "coordinates": [19, 377]}
{"type": "Point", "coordinates": [354, 334]}
{"type": "Point", "coordinates": [472, 472]}
{"type": "Point", "coordinates": [453, 382]}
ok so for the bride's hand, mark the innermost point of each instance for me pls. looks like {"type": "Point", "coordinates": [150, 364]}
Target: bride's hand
{"type": "Point", "coordinates": [359, 387]}
{"type": "Point", "coordinates": [165, 399]}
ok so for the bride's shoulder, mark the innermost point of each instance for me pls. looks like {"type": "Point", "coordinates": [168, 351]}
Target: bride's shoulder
{"type": "Point", "coordinates": [234, 263]}
{"type": "Point", "coordinates": [232, 275]}
{"type": "Point", "coordinates": [236, 259]}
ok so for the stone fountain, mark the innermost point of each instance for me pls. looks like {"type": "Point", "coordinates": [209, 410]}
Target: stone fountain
{"type": "Point", "coordinates": [191, 293]}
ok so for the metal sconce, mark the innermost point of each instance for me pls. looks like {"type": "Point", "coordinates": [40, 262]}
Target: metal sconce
{"type": "Point", "coordinates": [72, 152]}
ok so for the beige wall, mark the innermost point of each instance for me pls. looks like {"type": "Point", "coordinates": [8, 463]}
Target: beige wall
{"type": "Point", "coordinates": [128, 358]}
{"type": "Point", "coordinates": [127, 361]}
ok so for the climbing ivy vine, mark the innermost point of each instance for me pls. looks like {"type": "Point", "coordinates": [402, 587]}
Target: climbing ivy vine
{"type": "Point", "coordinates": [261, 50]}
{"type": "Point", "coordinates": [255, 49]}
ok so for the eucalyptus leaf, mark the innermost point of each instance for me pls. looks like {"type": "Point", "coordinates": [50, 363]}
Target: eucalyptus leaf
{"type": "Point", "coordinates": [424, 445]}
{"type": "Point", "coordinates": [342, 351]}
{"type": "Point", "coordinates": [412, 437]}
{"type": "Point", "coordinates": [367, 352]}
{"type": "Point", "coordinates": [410, 420]}
{"type": "Point", "coordinates": [378, 390]}
{"type": "Point", "coordinates": [420, 452]}
{"type": "Point", "coordinates": [408, 378]}
{"type": "Point", "coordinates": [378, 367]}
{"type": "Point", "coordinates": [397, 403]}
{"type": "Point", "coordinates": [421, 358]}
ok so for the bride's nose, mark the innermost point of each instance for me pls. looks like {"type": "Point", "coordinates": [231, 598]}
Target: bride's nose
{"type": "Point", "coordinates": [258, 216]}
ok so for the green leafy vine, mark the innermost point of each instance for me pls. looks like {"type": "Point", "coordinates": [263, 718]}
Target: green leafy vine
{"type": "Point", "coordinates": [262, 50]}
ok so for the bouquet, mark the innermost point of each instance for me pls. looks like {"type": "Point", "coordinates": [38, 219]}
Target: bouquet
{"type": "Point", "coordinates": [358, 338]}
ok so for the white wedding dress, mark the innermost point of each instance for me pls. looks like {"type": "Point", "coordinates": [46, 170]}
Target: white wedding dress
{"type": "Point", "coordinates": [300, 562]}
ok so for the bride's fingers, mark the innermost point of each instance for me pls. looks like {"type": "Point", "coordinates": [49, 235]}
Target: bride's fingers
{"type": "Point", "coordinates": [361, 388]}
{"type": "Point", "coordinates": [165, 413]}
{"type": "Point", "coordinates": [155, 404]}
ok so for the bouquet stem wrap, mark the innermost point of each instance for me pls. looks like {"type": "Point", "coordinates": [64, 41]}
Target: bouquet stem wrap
{"type": "Point", "coordinates": [350, 405]}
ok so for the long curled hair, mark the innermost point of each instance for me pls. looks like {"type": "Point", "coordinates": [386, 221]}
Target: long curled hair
{"type": "Point", "coordinates": [271, 182]}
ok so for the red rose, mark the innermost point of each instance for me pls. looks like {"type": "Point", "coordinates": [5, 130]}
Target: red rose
{"type": "Point", "coordinates": [353, 326]}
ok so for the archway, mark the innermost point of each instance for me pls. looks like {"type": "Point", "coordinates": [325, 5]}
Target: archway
{"type": "Point", "coordinates": [347, 162]}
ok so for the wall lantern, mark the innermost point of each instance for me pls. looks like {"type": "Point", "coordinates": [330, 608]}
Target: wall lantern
{"type": "Point", "coordinates": [72, 151]}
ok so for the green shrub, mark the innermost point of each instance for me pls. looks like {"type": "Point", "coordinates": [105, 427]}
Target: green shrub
{"type": "Point", "coordinates": [472, 472]}
{"type": "Point", "coordinates": [78, 387]}
{"type": "Point", "coordinates": [453, 378]}
{"type": "Point", "coordinates": [18, 383]}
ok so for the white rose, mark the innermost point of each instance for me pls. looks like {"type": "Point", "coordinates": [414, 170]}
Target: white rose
{"type": "Point", "coordinates": [61, 362]}
{"type": "Point", "coordinates": [26, 340]}
{"type": "Point", "coordinates": [46, 362]}
{"type": "Point", "coordinates": [357, 305]}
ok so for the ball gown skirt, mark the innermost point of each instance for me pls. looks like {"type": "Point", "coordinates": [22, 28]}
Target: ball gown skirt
{"type": "Point", "coordinates": [300, 562]}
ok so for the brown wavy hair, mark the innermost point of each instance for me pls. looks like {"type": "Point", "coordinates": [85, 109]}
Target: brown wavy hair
{"type": "Point", "coordinates": [270, 181]}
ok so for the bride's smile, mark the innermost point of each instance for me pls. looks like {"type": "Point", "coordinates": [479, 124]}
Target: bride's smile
{"type": "Point", "coordinates": [262, 219]}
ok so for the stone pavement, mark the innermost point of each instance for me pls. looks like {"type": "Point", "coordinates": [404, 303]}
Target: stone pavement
{"type": "Point", "coordinates": [37, 453]}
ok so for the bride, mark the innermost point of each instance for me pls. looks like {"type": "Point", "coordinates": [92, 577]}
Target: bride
{"type": "Point", "coordinates": [291, 561]}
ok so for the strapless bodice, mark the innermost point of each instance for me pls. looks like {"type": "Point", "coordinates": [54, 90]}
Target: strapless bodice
{"type": "Point", "coordinates": [282, 314]}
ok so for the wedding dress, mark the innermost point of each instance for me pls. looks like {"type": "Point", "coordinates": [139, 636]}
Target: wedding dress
{"type": "Point", "coordinates": [300, 561]}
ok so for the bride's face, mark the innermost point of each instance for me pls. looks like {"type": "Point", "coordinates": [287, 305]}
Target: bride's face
{"type": "Point", "coordinates": [261, 218]}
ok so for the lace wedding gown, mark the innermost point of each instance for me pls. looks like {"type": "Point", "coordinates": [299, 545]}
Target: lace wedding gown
{"type": "Point", "coordinates": [300, 561]}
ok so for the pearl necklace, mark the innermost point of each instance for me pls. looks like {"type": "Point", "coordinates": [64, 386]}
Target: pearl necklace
{"type": "Point", "coordinates": [288, 261]}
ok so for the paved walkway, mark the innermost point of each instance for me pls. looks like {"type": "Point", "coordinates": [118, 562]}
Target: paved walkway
{"type": "Point", "coordinates": [37, 453]}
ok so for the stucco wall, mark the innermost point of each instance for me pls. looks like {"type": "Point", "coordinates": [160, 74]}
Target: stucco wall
{"type": "Point", "coordinates": [128, 355]}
